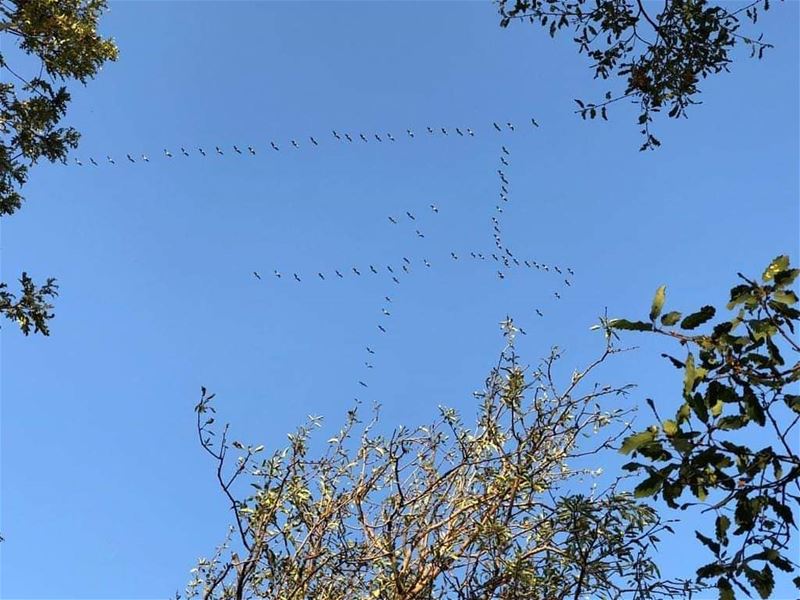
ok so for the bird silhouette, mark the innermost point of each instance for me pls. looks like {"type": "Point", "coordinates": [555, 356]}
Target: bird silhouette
{"type": "Point", "coordinates": [570, 271]}
{"type": "Point", "coordinates": [505, 150]}
{"type": "Point", "coordinates": [219, 150]}
{"type": "Point", "coordinates": [80, 164]}
{"type": "Point", "coordinates": [405, 268]}
{"type": "Point", "coordinates": [111, 160]}
{"type": "Point", "coordinates": [434, 208]}
{"type": "Point", "coordinates": [321, 276]}
{"type": "Point", "coordinates": [347, 135]}
{"type": "Point", "coordinates": [496, 126]}
{"type": "Point", "coordinates": [558, 270]}
{"type": "Point", "coordinates": [313, 141]}
{"type": "Point", "coordinates": [257, 276]}
{"type": "Point", "coordinates": [295, 144]}
{"type": "Point", "coordinates": [370, 350]}
{"type": "Point", "coordinates": [274, 146]}
{"type": "Point", "coordinates": [339, 274]}
{"type": "Point", "coordinates": [538, 312]}
{"type": "Point", "coordinates": [533, 122]}
{"type": "Point", "coordinates": [377, 137]}
{"type": "Point", "coordinates": [203, 152]}
{"type": "Point", "coordinates": [251, 150]}
{"type": "Point", "coordinates": [444, 131]}
{"type": "Point", "coordinates": [408, 262]}
{"type": "Point", "coordinates": [368, 365]}
{"type": "Point", "coordinates": [93, 161]}
{"type": "Point", "coordinates": [504, 161]}
{"type": "Point", "coordinates": [410, 133]}
{"type": "Point", "coordinates": [510, 126]}
{"type": "Point", "coordinates": [470, 132]}
{"type": "Point", "coordinates": [390, 136]}
{"type": "Point", "coordinates": [382, 328]}
{"type": "Point", "coordinates": [453, 254]}
{"type": "Point", "coordinates": [386, 312]}
{"type": "Point", "coordinates": [390, 268]}
{"type": "Point", "coordinates": [144, 158]}
{"type": "Point", "coordinates": [557, 295]}
{"type": "Point", "coordinates": [500, 275]}
{"type": "Point", "coordinates": [371, 268]}
{"type": "Point", "coordinates": [420, 234]}
{"type": "Point", "coordinates": [184, 152]}
{"type": "Point", "coordinates": [364, 384]}
{"type": "Point", "coordinates": [236, 149]}
{"type": "Point", "coordinates": [362, 136]}
{"type": "Point", "coordinates": [387, 298]}
{"type": "Point", "coordinates": [410, 216]}
{"type": "Point", "coordinates": [429, 130]}
{"type": "Point", "coordinates": [425, 260]}
{"type": "Point", "coordinates": [336, 135]}
{"type": "Point", "coordinates": [568, 283]}
{"type": "Point", "coordinates": [395, 279]}
{"type": "Point", "coordinates": [356, 271]}
{"type": "Point", "coordinates": [130, 158]}
{"type": "Point", "coordinates": [392, 220]}
{"type": "Point", "coordinates": [296, 277]}
{"type": "Point", "coordinates": [277, 273]}
{"type": "Point", "coordinates": [167, 153]}
{"type": "Point", "coordinates": [459, 132]}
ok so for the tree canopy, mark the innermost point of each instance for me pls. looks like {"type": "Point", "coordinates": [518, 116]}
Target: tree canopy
{"type": "Point", "coordinates": [62, 36]}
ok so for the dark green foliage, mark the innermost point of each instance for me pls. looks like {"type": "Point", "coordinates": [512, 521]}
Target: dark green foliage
{"type": "Point", "coordinates": [62, 35]}
{"type": "Point", "coordinates": [661, 55]}
{"type": "Point", "coordinates": [32, 307]}
{"type": "Point", "coordinates": [738, 384]}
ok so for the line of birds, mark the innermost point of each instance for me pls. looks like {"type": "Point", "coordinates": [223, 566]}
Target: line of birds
{"type": "Point", "coordinates": [312, 141]}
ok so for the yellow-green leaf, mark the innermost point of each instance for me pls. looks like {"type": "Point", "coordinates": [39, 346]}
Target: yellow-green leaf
{"type": "Point", "coordinates": [658, 302]}
{"type": "Point", "coordinates": [779, 263]}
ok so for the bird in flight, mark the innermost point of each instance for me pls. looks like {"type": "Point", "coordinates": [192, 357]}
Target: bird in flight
{"type": "Point", "coordinates": [504, 161]}
{"type": "Point", "coordinates": [470, 132]}
{"type": "Point", "coordinates": [570, 271]}
{"type": "Point", "coordinates": [410, 216]}
{"type": "Point", "coordinates": [80, 164]}
{"type": "Point", "coordinates": [356, 271]}
{"type": "Point", "coordinates": [510, 126]}
{"type": "Point", "coordinates": [274, 147]}
{"type": "Point", "coordinates": [459, 132]}
{"type": "Point", "coordinates": [336, 135]}
{"type": "Point", "coordinates": [339, 274]}
{"type": "Point", "coordinates": [377, 137]}
{"type": "Point", "coordinates": [257, 276]}
{"type": "Point", "coordinates": [313, 141]}
{"type": "Point", "coordinates": [392, 220]}
{"type": "Point", "coordinates": [533, 122]}
{"type": "Point", "coordinates": [371, 268]}
{"type": "Point", "coordinates": [144, 158]}
{"type": "Point", "coordinates": [500, 275]}
{"type": "Point", "coordinates": [434, 208]}
{"type": "Point", "coordinates": [167, 153]}
{"type": "Point", "coordinates": [296, 277]}
{"type": "Point", "coordinates": [557, 270]}
{"type": "Point", "coordinates": [277, 274]}
{"type": "Point", "coordinates": [420, 234]}
{"type": "Point", "coordinates": [130, 158]}
{"type": "Point", "coordinates": [370, 350]}
{"type": "Point", "coordinates": [391, 270]}
{"type": "Point", "coordinates": [505, 150]}
{"type": "Point", "coordinates": [410, 133]}
{"type": "Point", "coordinates": [321, 276]}
{"type": "Point", "coordinates": [236, 149]}
{"type": "Point", "coordinates": [203, 152]}
{"type": "Point", "coordinates": [93, 161]}
{"type": "Point", "coordinates": [219, 151]}
{"type": "Point", "coordinates": [496, 126]}
{"type": "Point", "coordinates": [382, 328]}
{"type": "Point", "coordinates": [362, 136]}
{"type": "Point", "coordinates": [111, 160]}
{"type": "Point", "coordinates": [557, 295]}
{"type": "Point", "coordinates": [395, 279]}
{"type": "Point", "coordinates": [386, 312]}
{"type": "Point", "coordinates": [184, 152]}
{"type": "Point", "coordinates": [453, 254]}
{"type": "Point", "coordinates": [430, 130]}
{"type": "Point", "coordinates": [347, 135]}
{"type": "Point", "coordinates": [295, 144]}
{"type": "Point", "coordinates": [444, 131]}
{"type": "Point", "coordinates": [251, 150]}
{"type": "Point", "coordinates": [425, 260]}
{"type": "Point", "coordinates": [364, 384]}
{"type": "Point", "coordinates": [390, 136]}
{"type": "Point", "coordinates": [387, 298]}
{"type": "Point", "coordinates": [568, 283]}
{"type": "Point", "coordinates": [538, 312]}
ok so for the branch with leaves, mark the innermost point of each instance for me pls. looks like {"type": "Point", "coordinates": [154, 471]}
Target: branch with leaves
{"type": "Point", "coordinates": [740, 380]}
{"type": "Point", "coordinates": [441, 511]}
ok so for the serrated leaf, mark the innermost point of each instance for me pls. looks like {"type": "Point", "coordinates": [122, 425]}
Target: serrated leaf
{"type": "Point", "coordinates": [725, 589]}
{"type": "Point", "coordinates": [778, 264]}
{"type": "Point", "coordinates": [732, 423]}
{"type": "Point", "coordinates": [630, 325]}
{"type": "Point", "coordinates": [722, 525]}
{"type": "Point", "coordinates": [696, 319]}
{"type": "Point", "coordinates": [658, 302]}
{"type": "Point", "coordinates": [786, 277]}
{"type": "Point", "coordinates": [650, 486]}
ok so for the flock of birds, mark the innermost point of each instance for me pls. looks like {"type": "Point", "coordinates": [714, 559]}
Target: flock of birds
{"type": "Point", "coordinates": [503, 258]}
{"type": "Point", "coordinates": [274, 146]}
{"type": "Point", "coordinates": [501, 255]}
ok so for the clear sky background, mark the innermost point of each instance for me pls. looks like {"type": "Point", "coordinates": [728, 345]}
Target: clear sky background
{"type": "Point", "coordinates": [105, 492]}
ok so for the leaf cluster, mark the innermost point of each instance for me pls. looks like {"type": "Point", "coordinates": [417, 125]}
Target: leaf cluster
{"type": "Point", "coordinates": [739, 386]}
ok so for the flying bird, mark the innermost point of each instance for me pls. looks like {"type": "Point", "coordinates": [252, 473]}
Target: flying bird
{"type": "Point", "coordinates": [533, 122]}
{"type": "Point", "coordinates": [347, 135]}
{"type": "Point", "coordinates": [390, 136]}
{"type": "Point", "coordinates": [382, 328]}
{"type": "Point", "coordinates": [183, 150]}
{"type": "Point", "coordinates": [130, 158]}
{"type": "Point", "coordinates": [500, 275]}
{"type": "Point", "coordinates": [339, 274]}
{"type": "Point", "coordinates": [430, 130]}
{"type": "Point", "coordinates": [392, 220]}
{"type": "Point", "coordinates": [504, 161]}
{"type": "Point", "coordinates": [296, 277]}
{"type": "Point", "coordinates": [377, 137]}
{"type": "Point", "coordinates": [144, 158]}
{"type": "Point", "coordinates": [568, 283]}
{"type": "Point", "coordinates": [257, 276]}
{"type": "Point", "coordinates": [370, 350]}
{"type": "Point", "coordinates": [408, 262]}
{"type": "Point", "coordinates": [453, 254]}
{"type": "Point", "coordinates": [496, 126]}
{"type": "Point", "coordinates": [459, 132]}
{"type": "Point", "coordinates": [570, 271]}
{"type": "Point", "coordinates": [321, 276]}
{"type": "Point", "coordinates": [434, 208]}
{"type": "Point", "coordinates": [167, 153]}
{"type": "Point", "coordinates": [387, 298]}
{"type": "Point", "coordinates": [557, 270]}
{"type": "Point", "coordinates": [356, 271]}
{"type": "Point", "coordinates": [362, 136]}
{"type": "Point", "coordinates": [405, 268]}
{"type": "Point", "coordinates": [111, 160]}
{"type": "Point", "coordinates": [295, 144]}
{"type": "Point", "coordinates": [203, 152]}
{"type": "Point", "coordinates": [93, 161]}
{"type": "Point", "coordinates": [219, 151]}
{"type": "Point", "coordinates": [251, 150]}
{"type": "Point", "coordinates": [557, 295]}
{"type": "Point", "coordinates": [395, 279]}
{"type": "Point", "coordinates": [336, 135]}
{"type": "Point", "coordinates": [371, 268]}
{"type": "Point", "coordinates": [386, 312]}
{"type": "Point", "coordinates": [313, 141]}
{"type": "Point", "coordinates": [505, 150]}
{"type": "Point", "coordinates": [538, 312]}
{"type": "Point", "coordinates": [364, 384]}
{"type": "Point", "coordinates": [420, 234]}
{"type": "Point", "coordinates": [425, 260]}
{"type": "Point", "coordinates": [368, 365]}
{"type": "Point", "coordinates": [277, 274]}
{"type": "Point", "coordinates": [470, 132]}
{"type": "Point", "coordinates": [410, 133]}
{"type": "Point", "coordinates": [410, 216]}
{"type": "Point", "coordinates": [80, 164]}
{"type": "Point", "coordinates": [390, 268]}
{"type": "Point", "coordinates": [274, 146]}
{"type": "Point", "coordinates": [510, 126]}
{"type": "Point", "coordinates": [444, 131]}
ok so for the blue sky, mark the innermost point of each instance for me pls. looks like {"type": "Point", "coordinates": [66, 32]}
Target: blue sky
{"type": "Point", "coordinates": [105, 492]}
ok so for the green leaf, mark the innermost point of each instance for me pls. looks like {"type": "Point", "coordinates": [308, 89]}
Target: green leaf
{"type": "Point", "coordinates": [725, 589]}
{"type": "Point", "coordinates": [785, 297]}
{"type": "Point", "coordinates": [637, 440]}
{"type": "Point", "coordinates": [694, 320]}
{"type": "Point", "coordinates": [692, 375]}
{"type": "Point", "coordinates": [779, 263]}
{"type": "Point", "coordinates": [670, 427]}
{"type": "Point", "coordinates": [763, 581]}
{"type": "Point", "coordinates": [671, 318]}
{"type": "Point", "coordinates": [708, 543]}
{"type": "Point", "coordinates": [732, 423]}
{"type": "Point", "coordinates": [786, 277]}
{"type": "Point", "coordinates": [792, 401]}
{"type": "Point", "coordinates": [722, 524]}
{"type": "Point", "coordinates": [658, 302]}
{"type": "Point", "coordinates": [630, 325]}
{"type": "Point", "coordinates": [650, 486]}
